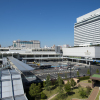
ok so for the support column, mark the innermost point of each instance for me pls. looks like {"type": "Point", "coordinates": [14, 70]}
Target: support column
{"type": "Point", "coordinates": [18, 56]}
{"type": "Point", "coordinates": [86, 60]}
{"type": "Point", "coordinates": [25, 59]}
{"type": "Point", "coordinates": [48, 57]}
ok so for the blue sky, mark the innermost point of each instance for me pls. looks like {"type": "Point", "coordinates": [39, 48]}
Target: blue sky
{"type": "Point", "coordinates": [49, 21]}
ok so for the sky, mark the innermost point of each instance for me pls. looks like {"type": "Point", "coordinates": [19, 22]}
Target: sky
{"type": "Point", "coordinates": [49, 21]}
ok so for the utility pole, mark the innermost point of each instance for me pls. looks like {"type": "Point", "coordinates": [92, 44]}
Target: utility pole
{"type": "Point", "coordinates": [90, 68]}
{"type": "Point", "coordinates": [70, 69]}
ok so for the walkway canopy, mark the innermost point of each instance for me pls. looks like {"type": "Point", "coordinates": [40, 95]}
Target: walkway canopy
{"type": "Point", "coordinates": [19, 64]}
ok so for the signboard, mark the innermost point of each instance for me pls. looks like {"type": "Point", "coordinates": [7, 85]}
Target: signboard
{"type": "Point", "coordinates": [87, 53]}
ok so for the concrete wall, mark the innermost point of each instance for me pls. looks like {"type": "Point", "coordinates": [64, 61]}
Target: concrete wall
{"type": "Point", "coordinates": [97, 52]}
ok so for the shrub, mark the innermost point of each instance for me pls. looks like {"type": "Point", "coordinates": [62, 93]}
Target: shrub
{"type": "Point", "coordinates": [61, 96]}
{"type": "Point", "coordinates": [83, 78]}
{"type": "Point", "coordinates": [88, 90]}
{"type": "Point", "coordinates": [43, 96]}
{"type": "Point", "coordinates": [89, 81]}
{"type": "Point", "coordinates": [82, 93]}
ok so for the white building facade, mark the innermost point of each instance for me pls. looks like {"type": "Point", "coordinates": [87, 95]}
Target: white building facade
{"type": "Point", "coordinates": [82, 52]}
{"type": "Point", "coordinates": [87, 29]}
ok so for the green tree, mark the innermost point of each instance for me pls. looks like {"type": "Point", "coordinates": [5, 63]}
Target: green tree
{"type": "Point", "coordinates": [48, 83]}
{"type": "Point", "coordinates": [66, 76]}
{"type": "Point", "coordinates": [73, 83]}
{"type": "Point", "coordinates": [78, 73]}
{"type": "Point", "coordinates": [43, 83]}
{"type": "Point", "coordinates": [60, 86]}
{"type": "Point", "coordinates": [82, 93]}
{"type": "Point", "coordinates": [97, 71]}
{"type": "Point", "coordinates": [88, 72]}
{"type": "Point", "coordinates": [34, 91]}
{"type": "Point", "coordinates": [67, 87]}
{"type": "Point", "coordinates": [43, 96]}
{"type": "Point", "coordinates": [39, 87]}
{"type": "Point", "coordinates": [88, 90]}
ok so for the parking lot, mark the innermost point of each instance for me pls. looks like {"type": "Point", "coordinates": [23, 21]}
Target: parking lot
{"type": "Point", "coordinates": [64, 70]}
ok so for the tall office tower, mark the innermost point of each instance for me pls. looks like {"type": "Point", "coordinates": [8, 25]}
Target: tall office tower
{"type": "Point", "coordinates": [26, 44]}
{"type": "Point", "coordinates": [87, 29]}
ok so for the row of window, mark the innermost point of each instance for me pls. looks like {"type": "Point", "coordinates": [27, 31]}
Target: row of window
{"type": "Point", "coordinates": [87, 28]}
{"type": "Point", "coordinates": [86, 34]}
{"type": "Point", "coordinates": [87, 21]}
{"type": "Point", "coordinates": [87, 25]}
{"type": "Point", "coordinates": [95, 22]}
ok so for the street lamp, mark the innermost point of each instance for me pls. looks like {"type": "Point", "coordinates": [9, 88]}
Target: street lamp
{"type": "Point", "coordinates": [69, 64]}
{"type": "Point", "coordinates": [90, 68]}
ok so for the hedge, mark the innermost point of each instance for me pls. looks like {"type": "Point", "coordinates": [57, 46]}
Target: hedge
{"type": "Point", "coordinates": [83, 78]}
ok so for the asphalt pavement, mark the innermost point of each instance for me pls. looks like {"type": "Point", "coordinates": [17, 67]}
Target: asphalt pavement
{"type": "Point", "coordinates": [42, 73]}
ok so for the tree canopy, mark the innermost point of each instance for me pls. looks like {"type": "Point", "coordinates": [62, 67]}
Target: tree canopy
{"type": "Point", "coordinates": [68, 87]}
{"type": "Point", "coordinates": [34, 90]}
{"type": "Point", "coordinates": [47, 83]}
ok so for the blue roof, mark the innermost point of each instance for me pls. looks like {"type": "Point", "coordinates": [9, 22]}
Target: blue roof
{"type": "Point", "coordinates": [20, 65]}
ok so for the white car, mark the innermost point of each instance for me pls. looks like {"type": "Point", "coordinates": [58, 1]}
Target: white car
{"type": "Point", "coordinates": [71, 68]}
{"type": "Point", "coordinates": [61, 69]}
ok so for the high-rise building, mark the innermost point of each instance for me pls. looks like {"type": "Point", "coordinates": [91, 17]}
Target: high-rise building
{"type": "Point", "coordinates": [26, 44]}
{"type": "Point", "coordinates": [87, 29]}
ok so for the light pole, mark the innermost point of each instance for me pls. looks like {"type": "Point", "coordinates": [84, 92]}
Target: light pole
{"type": "Point", "coordinates": [70, 69]}
{"type": "Point", "coordinates": [90, 68]}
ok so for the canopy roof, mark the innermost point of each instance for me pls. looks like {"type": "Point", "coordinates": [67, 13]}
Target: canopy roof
{"type": "Point", "coordinates": [20, 65]}
{"type": "Point", "coordinates": [95, 77]}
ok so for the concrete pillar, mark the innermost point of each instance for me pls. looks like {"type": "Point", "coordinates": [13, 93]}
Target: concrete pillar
{"type": "Point", "coordinates": [18, 56]}
{"type": "Point", "coordinates": [12, 54]}
{"type": "Point", "coordinates": [48, 56]}
{"type": "Point", "coordinates": [2, 55]}
{"type": "Point", "coordinates": [89, 63]}
{"type": "Point", "coordinates": [41, 57]}
{"type": "Point", "coordinates": [34, 57]}
{"type": "Point", "coordinates": [25, 61]}
{"type": "Point", "coordinates": [86, 60]}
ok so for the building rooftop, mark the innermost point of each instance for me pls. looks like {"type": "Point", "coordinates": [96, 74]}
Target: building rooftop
{"type": "Point", "coordinates": [11, 87]}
